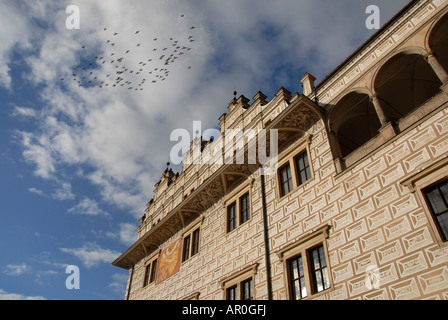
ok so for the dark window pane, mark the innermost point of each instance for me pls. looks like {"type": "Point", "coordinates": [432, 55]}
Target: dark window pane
{"type": "Point", "coordinates": [436, 201]}
{"type": "Point", "coordinates": [245, 208]}
{"type": "Point", "coordinates": [195, 245]}
{"type": "Point", "coordinates": [186, 251]}
{"type": "Point", "coordinates": [147, 274]}
{"type": "Point", "coordinates": [299, 261]}
{"type": "Point", "coordinates": [319, 284]}
{"type": "Point", "coordinates": [286, 180]}
{"type": "Point", "coordinates": [326, 280]}
{"type": "Point", "coordinates": [437, 197]}
{"type": "Point", "coordinates": [297, 278]}
{"type": "Point", "coordinates": [153, 271]}
{"type": "Point", "coordinates": [323, 262]}
{"type": "Point", "coordinates": [303, 168]}
{"type": "Point", "coordinates": [444, 190]}
{"type": "Point", "coordinates": [247, 290]}
{"type": "Point", "coordinates": [319, 269]}
{"type": "Point", "coordinates": [297, 291]}
{"type": "Point", "coordinates": [443, 225]}
{"type": "Point", "coordinates": [231, 217]}
{"type": "Point", "coordinates": [232, 293]}
{"type": "Point", "coordinates": [303, 286]}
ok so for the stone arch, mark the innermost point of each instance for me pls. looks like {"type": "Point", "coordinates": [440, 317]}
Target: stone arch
{"type": "Point", "coordinates": [437, 40]}
{"type": "Point", "coordinates": [404, 82]}
{"type": "Point", "coordinates": [353, 121]}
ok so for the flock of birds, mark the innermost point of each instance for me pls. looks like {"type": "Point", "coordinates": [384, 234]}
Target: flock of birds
{"type": "Point", "coordinates": [154, 68]}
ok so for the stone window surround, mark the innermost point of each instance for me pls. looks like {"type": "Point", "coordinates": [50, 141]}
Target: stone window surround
{"type": "Point", "coordinates": [234, 197]}
{"type": "Point", "coordinates": [148, 261]}
{"type": "Point", "coordinates": [303, 145]}
{"type": "Point", "coordinates": [425, 178]}
{"type": "Point", "coordinates": [301, 247]}
{"type": "Point", "coordinates": [188, 231]}
{"type": "Point", "coordinates": [238, 277]}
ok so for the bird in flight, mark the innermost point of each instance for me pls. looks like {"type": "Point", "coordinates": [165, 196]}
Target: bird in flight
{"type": "Point", "coordinates": [137, 31]}
{"type": "Point", "coordinates": [115, 33]}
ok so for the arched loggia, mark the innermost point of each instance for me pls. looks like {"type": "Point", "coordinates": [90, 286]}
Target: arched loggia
{"type": "Point", "coordinates": [354, 121]}
{"type": "Point", "coordinates": [404, 83]}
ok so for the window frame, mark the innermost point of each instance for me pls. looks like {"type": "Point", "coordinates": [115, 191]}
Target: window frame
{"type": "Point", "coordinates": [232, 293]}
{"type": "Point", "coordinates": [313, 270]}
{"type": "Point", "coordinates": [186, 248]}
{"type": "Point", "coordinates": [236, 280]}
{"type": "Point", "coordinates": [307, 169]}
{"type": "Point", "coordinates": [232, 219]}
{"type": "Point", "coordinates": [235, 198]}
{"type": "Point", "coordinates": [289, 158]}
{"type": "Point", "coordinates": [288, 182]}
{"type": "Point", "coordinates": [243, 289]}
{"type": "Point", "coordinates": [150, 269]}
{"type": "Point", "coordinates": [425, 191]}
{"type": "Point", "coordinates": [193, 248]}
{"type": "Point", "coordinates": [244, 216]}
{"type": "Point", "coordinates": [302, 247]}
{"type": "Point", "coordinates": [427, 177]}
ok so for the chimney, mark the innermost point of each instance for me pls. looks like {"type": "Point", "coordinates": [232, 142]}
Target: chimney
{"type": "Point", "coordinates": [308, 84]}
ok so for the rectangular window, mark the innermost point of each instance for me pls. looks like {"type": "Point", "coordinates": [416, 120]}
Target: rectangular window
{"type": "Point", "coordinates": [246, 288]}
{"type": "Point", "coordinates": [303, 168]}
{"type": "Point", "coordinates": [231, 217]}
{"type": "Point", "coordinates": [153, 271]}
{"type": "Point", "coordinates": [319, 271]}
{"type": "Point", "coordinates": [150, 273]}
{"type": "Point", "coordinates": [285, 180]}
{"type": "Point", "coordinates": [232, 293]}
{"type": "Point", "coordinates": [437, 197]}
{"type": "Point", "coordinates": [186, 250]}
{"type": "Point", "coordinates": [195, 244]}
{"type": "Point", "coordinates": [297, 276]}
{"type": "Point", "coordinates": [306, 264]}
{"type": "Point", "coordinates": [244, 208]}
{"type": "Point", "coordinates": [147, 275]}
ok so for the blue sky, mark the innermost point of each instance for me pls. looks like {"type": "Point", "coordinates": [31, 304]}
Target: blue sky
{"type": "Point", "coordinates": [79, 163]}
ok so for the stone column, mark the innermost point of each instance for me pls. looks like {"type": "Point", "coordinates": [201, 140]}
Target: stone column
{"type": "Point", "coordinates": [437, 67]}
{"type": "Point", "coordinates": [336, 151]}
{"type": "Point", "coordinates": [384, 119]}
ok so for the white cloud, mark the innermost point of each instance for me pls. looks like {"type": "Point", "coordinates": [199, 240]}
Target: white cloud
{"type": "Point", "coordinates": [88, 207]}
{"type": "Point", "coordinates": [17, 269]}
{"type": "Point", "coordinates": [23, 112]}
{"type": "Point", "coordinates": [64, 192]}
{"type": "Point", "coordinates": [36, 191]}
{"type": "Point", "coordinates": [14, 296]}
{"type": "Point", "coordinates": [119, 282]}
{"type": "Point", "coordinates": [127, 233]}
{"type": "Point", "coordinates": [13, 33]}
{"type": "Point", "coordinates": [118, 138]}
{"type": "Point", "coordinates": [91, 254]}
